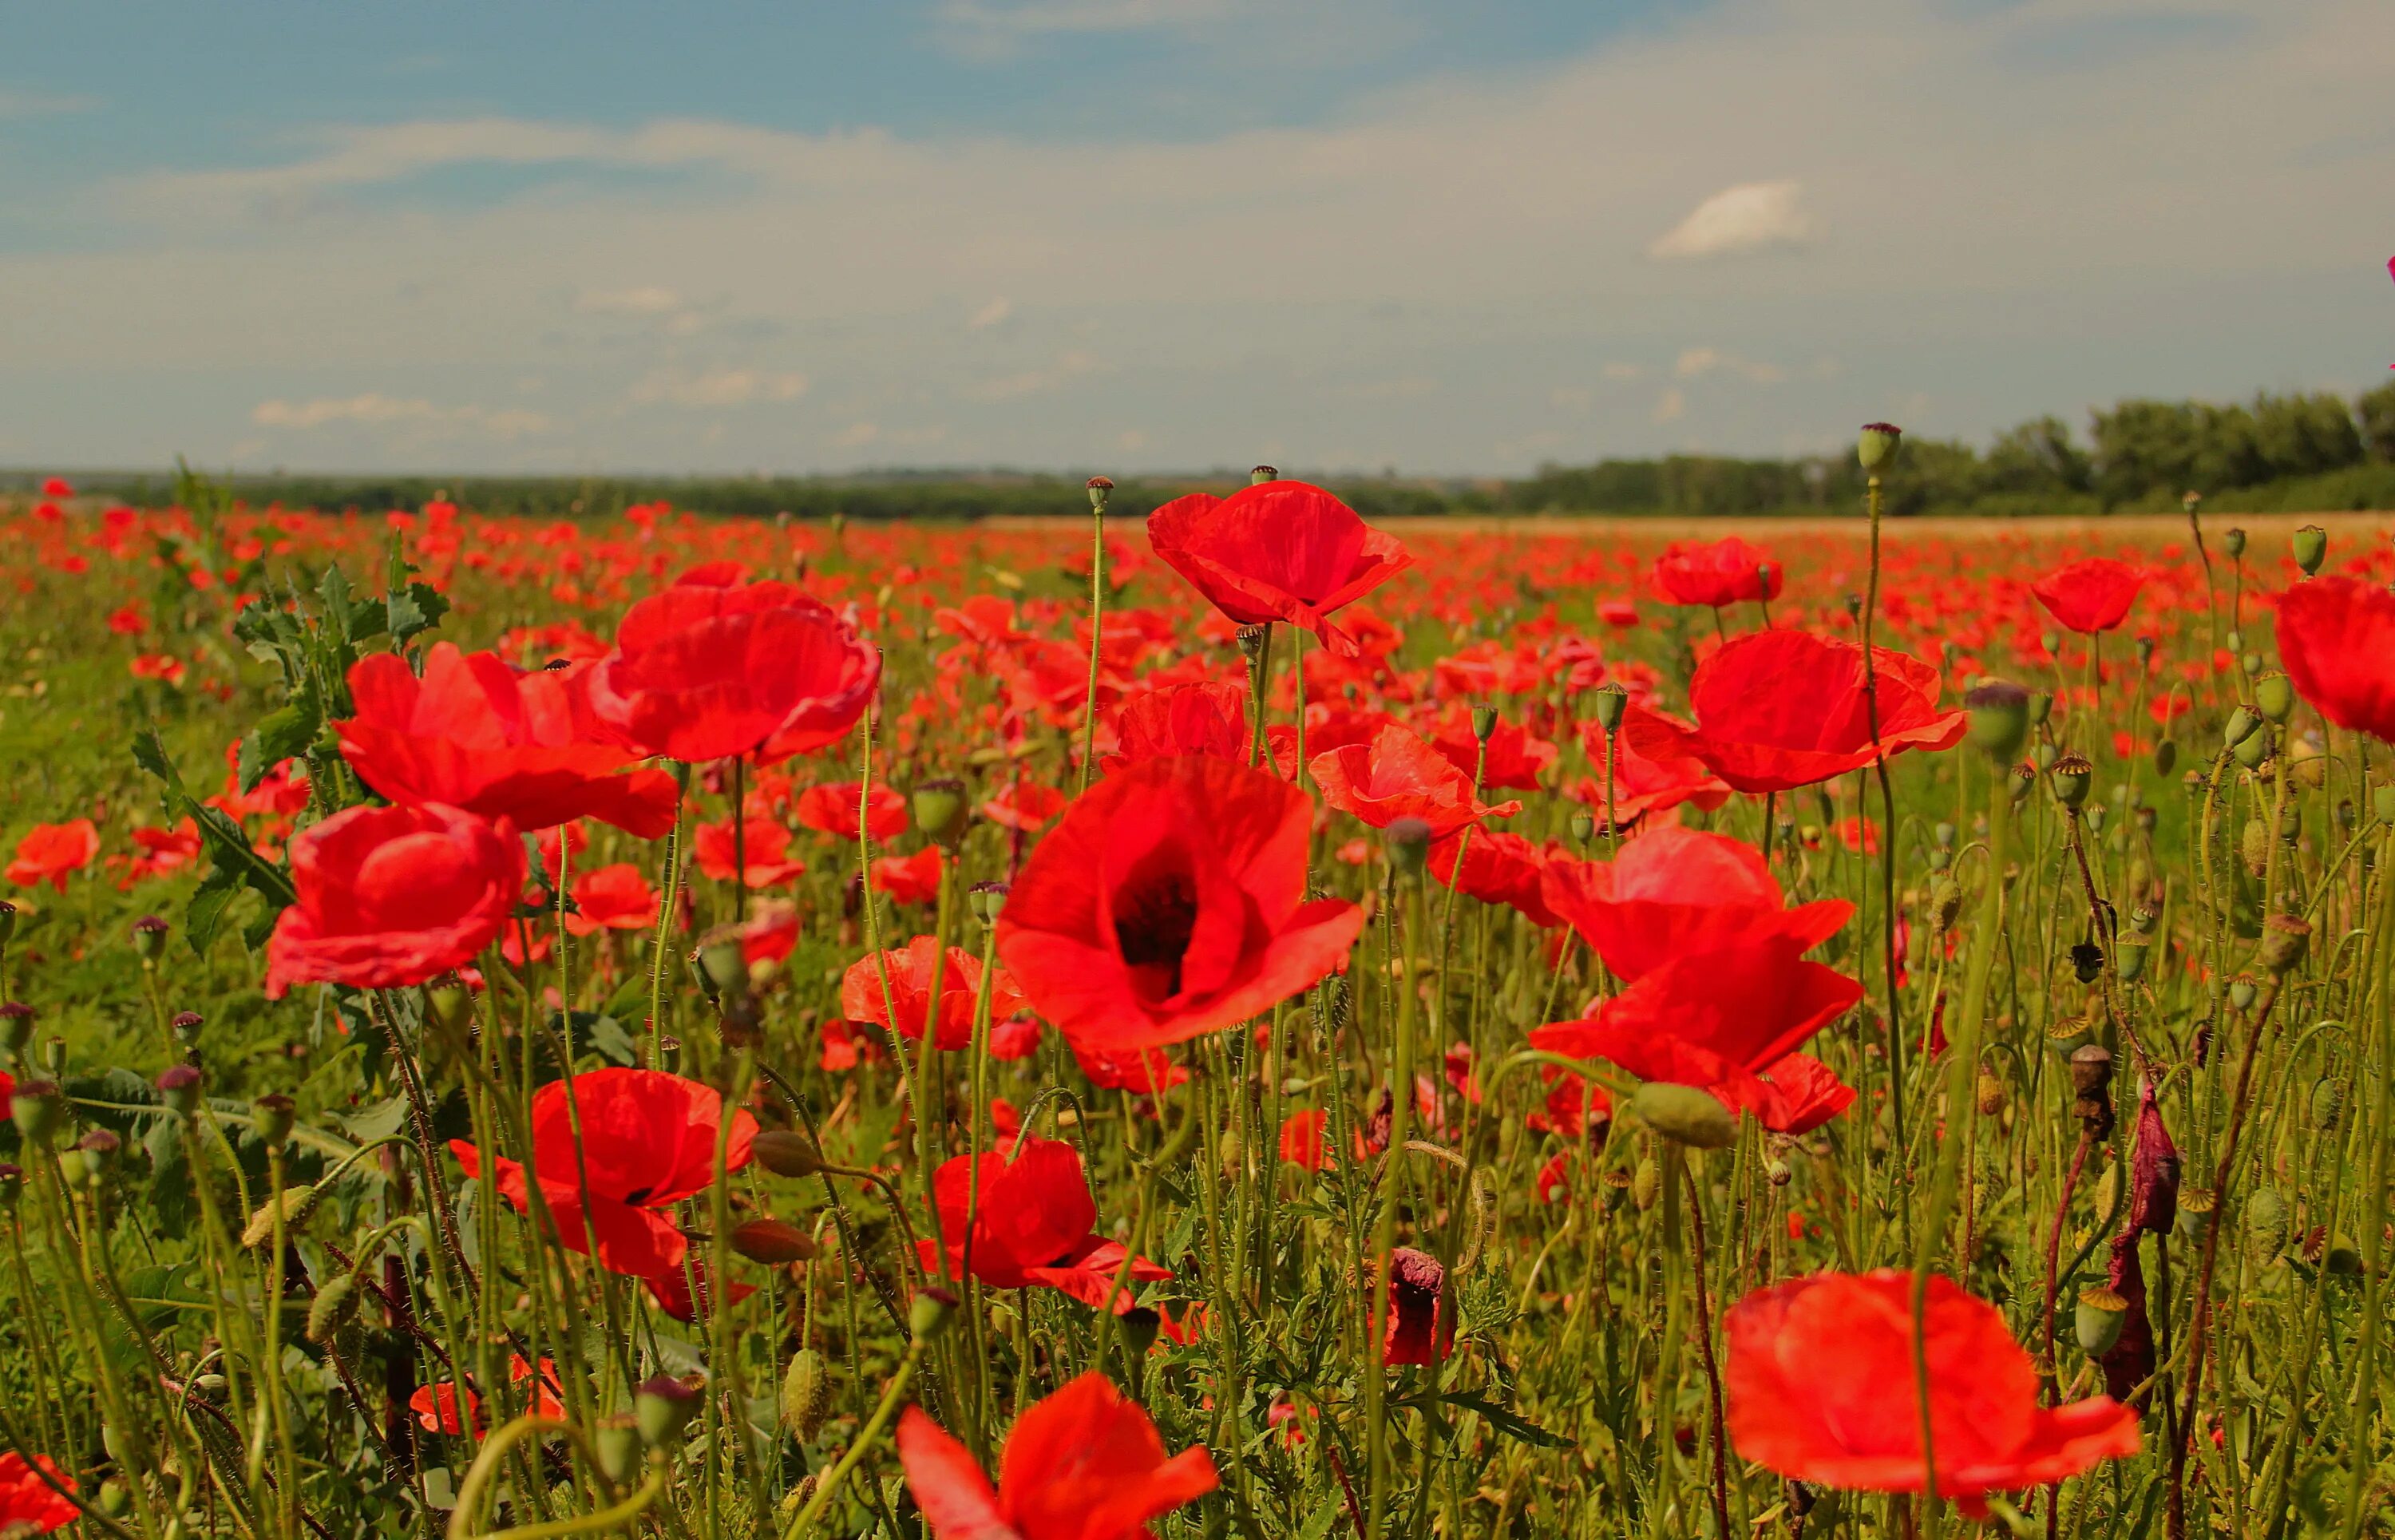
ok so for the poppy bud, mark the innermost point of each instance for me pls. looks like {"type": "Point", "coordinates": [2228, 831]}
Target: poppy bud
{"type": "Point", "coordinates": [2254, 846]}
{"type": "Point", "coordinates": [787, 1154]}
{"type": "Point", "coordinates": [2274, 696]}
{"type": "Point", "coordinates": [2327, 1104]}
{"type": "Point", "coordinates": [1484, 723]}
{"type": "Point", "coordinates": [1611, 703]}
{"type": "Point", "coordinates": [1583, 827]}
{"type": "Point", "coordinates": [2235, 640]}
{"type": "Point", "coordinates": [179, 1087]}
{"type": "Point", "coordinates": [2250, 663]}
{"type": "Point", "coordinates": [2088, 962]}
{"type": "Point", "coordinates": [989, 901]}
{"type": "Point", "coordinates": [2266, 1219]}
{"type": "Point", "coordinates": [2382, 804]}
{"type": "Point", "coordinates": [1999, 718]}
{"type": "Point", "coordinates": [336, 1306]}
{"type": "Point", "coordinates": [940, 810]}
{"type": "Point", "coordinates": [1100, 488]}
{"type": "Point", "coordinates": [273, 1114]}
{"type": "Point", "coordinates": [1408, 844]}
{"type": "Point", "coordinates": [616, 1441]}
{"type": "Point", "coordinates": [2165, 757]}
{"type": "Point", "coordinates": [293, 1207]}
{"type": "Point", "coordinates": [100, 1147]}
{"type": "Point", "coordinates": [2070, 777]}
{"type": "Point", "coordinates": [806, 1394]}
{"type": "Point", "coordinates": [2098, 1319]}
{"type": "Point", "coordinates": [772, 1242]}
{"type": "Point", "coordinates": [2050, 642]}
{"type": "Point", "coordinates": [2312, 548]}
{"type": "Point", "coordinates": [16, 1026]}
{"type": "Point", "coordinates": [1262, 474]}
{"type": "Point", "coordinates": [931, 1312]}
{"type": "Point", "coordinates": [33, 1106]}
{"type": "Point", "coordinates": [2243, 993]}
{"type": "Point", "coordinates": [1686, 1114]}
{"type": "Point", "coordinates": [1945, 902]}
{"type": "Point", "coordinates": [662, 1407]}
{"type": "Point", "coordinates": [149, 937]}
{"type": "Point", "coordinates": [2235, 541]}
{"type": "Point", "coordinates": [1646, 1183]}
{"type": "Point", "coordinates": [71, 1170]}
{"type": "Point", "coordinates": [2129, 958]}
{"type": "Point", "coordinates": [2284, 940]}
{"type": "Point", "coordinates": [1877, 444]}
{"type": "Point", "coordinates": [1991, 1095]}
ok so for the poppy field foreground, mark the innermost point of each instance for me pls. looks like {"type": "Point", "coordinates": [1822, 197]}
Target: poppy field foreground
{"type": "Point", "coordinates": [1228, 1023]}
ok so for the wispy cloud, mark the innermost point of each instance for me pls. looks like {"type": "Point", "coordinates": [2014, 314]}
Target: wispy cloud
{"type": "Point", "coordinates": [719, 387]}
{"type": "Point", "coordinates": [649, 300]}
{"type": "Point", "coordinates": [16, 103]}
{"type": "Point", "coordinates": [1738, 221]}
{"type": "Point", "coordinates": [374, 408]}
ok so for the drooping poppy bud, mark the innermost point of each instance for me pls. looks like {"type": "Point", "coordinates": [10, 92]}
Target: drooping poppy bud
{"type": "Point", "coordinates": [1416, 1332]}
{"type": "Point", "coordinates": [2153, 1170]}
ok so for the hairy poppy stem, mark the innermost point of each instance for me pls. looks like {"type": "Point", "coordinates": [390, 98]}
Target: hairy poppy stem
{"type": "Point", "coordinates": [2373, 1216]}
{"type": "Point", "coordinates": [1385, 1236]}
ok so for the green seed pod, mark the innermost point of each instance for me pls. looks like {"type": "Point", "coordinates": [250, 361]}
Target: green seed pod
{"type": "Point", "coordinates": [2067, 1035]}
{"type": "Point", "coordinates": [2196, 1207]}
{"type": "Point", "coordinates": [1139, 1326]}
{"type": "Point", "coordinates": [1611, 703]}
{"type": "Point", "coordinates": [1999, 717]}
{"type": "Point", "coordinates": [2327, 1104]}
{"type": "Point", "coordinates": [2274, 696]}
{"type": "Point", "coordinates": [2243, 993]}
{"type": "Point", "coordinates": [2040, 705]}
{"type": "Point", "coordinates": [941, 809]}
{"type": "Point", "coordinates": [2242, 724]}
{"type": "Point", "coordinates": [1646, 1183]}
{"type": "Point", "coordinates": [806, 1394]}
{"type": "Point", "coordinates": [1100, 489]}
{"type": "Point", "coordinates": [931, 1312]}
{"type": "Point", "coordinates": [1484, 723]}
{"type": "Point", "coordinates": [2234, 540]}
{"type": "Point", "coordinates": [35, 1106]}
{"type": "Point", "coordinates": [2254, 846]}
{"type": "Point", "coordinates": [661, 1408]}
{"type": "Point", "coordinates": [2266, 1219]}
{"type": "Point", "coordinates": [1877, 444]}
{"type": "Point", "coordinates": [2129, 958]}
{"type": "Point", "coordinates": [1778, 1171]}
{"type": "Point", "coordinates": [2382, 804]}
{"type": "Point", "coordinates": [2253, 749]}
{"type": "Point", "coordinates": [1614, 1186]}
{"type": "Point", "coordinates": [2071, 776]}
{"type": "Point", "coordinates": [336, 1306]}
{"type": "Point", "coordinates": [616, 1441]}
{"type": "Point", "coordinates": [2284, 940]}
{"type": "Point", "coordinates": [2097, 1321]}
{"type": "Point", "coordinates": [2045, 756]}
{"type": "Point", "coordinates": [2312, 548]}
{"type": "Point", "coordinates": [2165, 756]}
{"type": "Point", "coordinates": [1686, 1114]}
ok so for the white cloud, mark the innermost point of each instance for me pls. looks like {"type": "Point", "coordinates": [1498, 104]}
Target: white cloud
{"type": "Point", "coordinates": [1623, 371]}
{"type": "Point", "coordinates": [856, 435]}
{"type": "Point", "coordinates": [651, 300]}
{"type": "Point", "coordinates": [1751, 217]}
{"type": "Point", "coordinates": [1669, 405]}
{"type": "Point", "coordinates": [990, 314]}
{"type": "Point", "coordinates": [373, 407]}
{"type": "Point", "coordinates": [1573, 398]}
{"type": "Point", "coordinates": [1067, 368]}
{"type": "Point", "coordinates": [1696, 362]}
{"type": "Point", "coordinates": [718, 387]}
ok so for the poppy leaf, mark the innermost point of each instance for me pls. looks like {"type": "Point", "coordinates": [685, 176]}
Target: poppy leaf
{"type": "Point", "coordinates": [281, 734]}
{"type": "Point", "coordinates": [1509, 1423]}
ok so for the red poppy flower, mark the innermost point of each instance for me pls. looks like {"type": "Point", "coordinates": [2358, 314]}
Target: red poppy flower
{"type": "Point", "coordinates": [2337, 638]}
{"type": "Point", "coordinates": [1208, 718]}
{"type": "Point", "coordinates": [1033, 1224]}
{"type": "Point", "coordinates": [393, 895]}
{"type": "Point", "coordinates": [1497, 868]}
{"type": "Point", "coordinates": [1674, 890]}
{"type": "Point", "coordinates": [1418, 1331]}
{"type": "Point", "coordinates": [1398, 776]}
{"type": "Point", "coordinates": [648, 1142]}
{"type": "Point", "coordinates": [51, 852]}
{"type": "Point", "coordinates": [1777, 710]}
{"type": "Point", "coordinates": [1653, 770]}
{"type": "Point", "coordinates": [908, 879]}
{"type": "Point", "coordinates": [1719, 573]}
{"type": "Point", "coordinates": [709, 670]}
{"type": "Point", "coordinates": [1800, 1095]}
{"type": "Point", "coordinates": [1279, 551]}
{"type": "Point", "coordinates": [612, 897]}
{"type": "Point", "coordinates": [1143, 1072]}
{"type": "Point", "coordinates": [831, 809]}
{"type": "Point", "coordinates": [1168, 902]}
{"type": "Point", "coordinates": [476, 734]}
{"type": "Point", "coordinates": [2090, 596]}
{"type": "Point", "coordinates": [1822, 1390]}
{"type": "Point", "coordinates": [670, 1289]}
{"type": "Point", "coordinates": [1713, 1018]}
{"type": "Point", "coordinates": [762, 856]}
{"type": "Point", "coordinates": [1304, 1139]}
{"type": "Point", "coordinates": [436, 1408]}
{"type": "Point", "coordinates": [1024, 805]}
{"type": "Point", "coordinates": [162, 851]}
{"type": "Point", "coordinates": [1085, 1464]}
{"type": "Point", "coordinates": [27, 1500]}
{"type": "Point", "coordinates": [910, 977]}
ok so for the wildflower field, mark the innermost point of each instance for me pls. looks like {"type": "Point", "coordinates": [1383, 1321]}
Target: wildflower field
{"type": "Point", "coordinates": [1218, 1021]}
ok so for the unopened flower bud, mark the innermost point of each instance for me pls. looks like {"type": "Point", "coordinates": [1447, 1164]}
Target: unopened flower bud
{"type": "Point", "coordinates": [941, 810]}
{"type": "Point", "coordinates": [2165, 757]}
{"type": "Point", "coordinates": [2284, 940]}
{"type": "Point", "coordinates": [273, 1114]}
{"type": "Point", "coordinates": [2274, 696]}
{"type": "Point", "coordinates": [787, 1154]}
{"type": "Point", "coordinates": [336, 1306]}
{"type": "Point", "coordinates": [806, 1394]}
{"type": "Point", "coordinates": [34, 1107]}
{"type": "Point", "coordinates": [2326, 1104]}
{"type": "Point", "coordinates": [1877, 444]}
{"type": "Point", "coordinates": [1999, 718]}
{"type": "Point", "coordinates": [179, 1087]}
{"type": "Point", "coordinates": [1484, 723]}
{"type": "Point", "coordinates": [1686, 1114]}
{"type": "Point", "coordinates": [1646, 1183]}
{"type": "Point", "coordinates": [616, 1443]}
{"type": "Point", "coordinates": [772, 1242]}
{"type": "Point", "coordinates": [1611, 703]}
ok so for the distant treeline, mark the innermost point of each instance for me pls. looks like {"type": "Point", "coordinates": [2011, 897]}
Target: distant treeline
{"type": "Point", "coordinates": [2305, 452]}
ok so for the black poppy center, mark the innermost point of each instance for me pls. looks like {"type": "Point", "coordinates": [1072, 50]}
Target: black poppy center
{"type": "Point", "coordinates": [1155, 912]}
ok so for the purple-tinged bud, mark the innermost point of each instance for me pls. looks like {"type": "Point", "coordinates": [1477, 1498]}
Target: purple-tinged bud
{"type": "Point", "coordinates": [1877, 443]}
{"type": "Point", "coordinates": [179, 1087]}
{"type": "Point", "coordinates": [149, 937]}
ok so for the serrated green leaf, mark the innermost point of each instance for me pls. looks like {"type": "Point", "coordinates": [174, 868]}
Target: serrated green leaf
{"type": "Point", "coordinates": [1511, 1424]}
{"type": "Point", "coordinates": [414, 609]}
{"type": "Point", "coordinates": [279, 735]}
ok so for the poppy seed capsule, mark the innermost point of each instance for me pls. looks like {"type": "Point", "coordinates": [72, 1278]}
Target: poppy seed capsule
{"type": "Point", "coordinates": [1945, 902]}
{"type": "Point", "coordinates": [2274, 696]}
{"type": "Point", "coordinates": [661, 1408]}
{"type": "Point", "coordinates": [33, 1106]}
{"type": "Point", "coordinates": [940, 809]}
{"type": "Point", "coordinates": [930, 1314]}
{"type": "Point", "coordinates": [1999, 718]}
{"type": "Point", "coordinates": [2070, 777]}
{"type": "Point", "coordinates": [1100, 488]}
{"type": "Point", "coordinates": [1877, 444]}
{"type": "Point", "coordinates": [2097, 1321]}
{"type": "Point", "coordinates": [179, 1087]}
{"type": "Point", "coordinates": [1484, 723]}
{"type": "Point", "coordinates": [2195, 1211]}
{"type": "Point", "coordinates": [186, 1027]}
{"type": "Point", "coordinates": [1139, 1326]}
{"type": "Point", "coordinates": [1583, 827]}
{"type": "Point", "coordinates": [1612, 703]}
{"type": "Point", "coordinates": [806, 1394]}
{"type": "Point", "coordinates": [2284, 941]}
{"type": "Point", "coordinates": [2382, 804]}
{"type": "Point", "coordinates": [2312, 549]}
{"type": "Point", "coordinates": [616, 1443]}
{"type": "Point", "coordinates": [1262, 474]}
{"type": "Point", "coordinates": [1408, 844]}
{"type": "Point", "coordinates": [2129, 958]}
{"type": "Point", "coordinates": [2243, 993]}
{"type": "Point", "coordinates": [100, 1147]}
{"type": "Point", "coordinates": [2235, 541]}
{"type": "Point", "coordinates": [2242, 724]}
{"type": "Point", "coordinates": [149, 937]}
{"type": "Point", "coordinates": [16, 1026]}
{"type": "Point", "coordinates": [1685, 1114]}
{"type": "Point", "coordinates": [272, 1115]}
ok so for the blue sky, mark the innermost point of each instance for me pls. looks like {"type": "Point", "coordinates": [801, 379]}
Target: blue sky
{"type": "Point", "coordinates": [1139, 235]}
